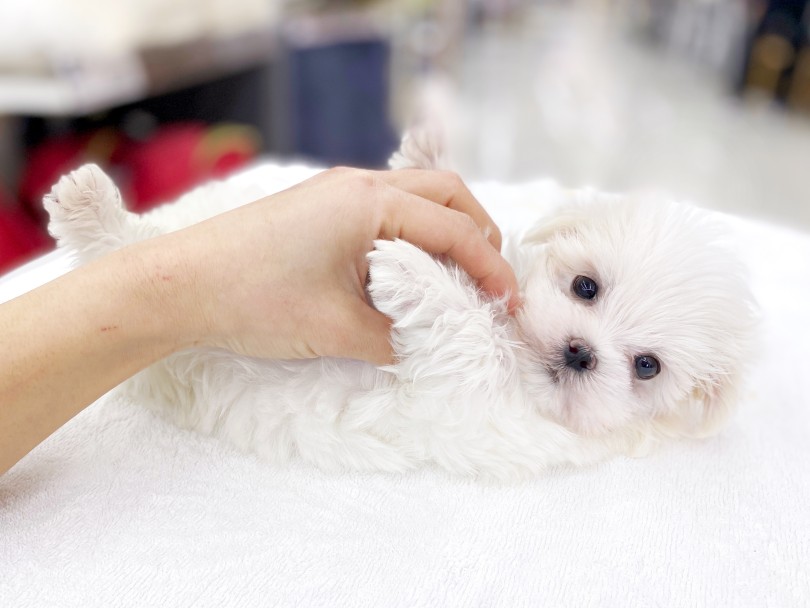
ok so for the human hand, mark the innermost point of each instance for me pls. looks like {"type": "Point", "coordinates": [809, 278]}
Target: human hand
{"type": "Point", "coordinates": [284, 277]}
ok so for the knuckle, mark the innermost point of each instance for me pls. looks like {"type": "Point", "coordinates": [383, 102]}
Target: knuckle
{"type": "Point", "coordinates": [357, 179]}
{"type": "Point", "coordinates": [351, 173]}
{"type": "Point", "coordinates": [340, 170]}
{"type": "Point", "coordinates": [452, 179]}
{"type": "Point", "coordinates": [334, 173]}
{"type": "Point", "coordinates": [468, 226]}
{"type": "Point", "coordinates": [362, 178]}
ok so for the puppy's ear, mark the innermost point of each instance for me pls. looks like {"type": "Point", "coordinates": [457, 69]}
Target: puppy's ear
{"type": "Point", "coordinates": [566, 221]}
{"type": "Point", "coordinates": [704, 411]}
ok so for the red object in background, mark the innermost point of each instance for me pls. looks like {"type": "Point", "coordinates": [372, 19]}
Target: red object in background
{"type": "Point", "coordinates": [178, 157]}
{"type": "Point", "coordinates": [174, 159]}
{"type": "Point", "coordinates": [227, 148]}
{"type": "Point", "coordinates": [159, 168]}
{"type": "Point", "coordinates": [20, 237]}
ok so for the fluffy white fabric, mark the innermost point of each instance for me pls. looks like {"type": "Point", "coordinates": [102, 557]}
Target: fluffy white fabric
{"type": "Point", "coordinates": [120, 508]}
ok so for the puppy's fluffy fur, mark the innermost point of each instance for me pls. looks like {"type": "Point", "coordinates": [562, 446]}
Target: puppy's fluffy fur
{"type": "Point", "coordinates": [474, 390]}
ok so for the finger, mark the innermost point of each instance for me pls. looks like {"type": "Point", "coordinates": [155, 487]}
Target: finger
{"type": "Point", "coordinates": [446, 189]}
{"type": "Point", "coordinates": [440, 230]}
{"type": "Point", "coordinates": [364, 335]}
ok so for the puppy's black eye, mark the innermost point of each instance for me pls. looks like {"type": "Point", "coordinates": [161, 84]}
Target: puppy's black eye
{"type": "Point", "coordinates": [647, 367]}
{"type": "Point", "coordinates": [585, 287]}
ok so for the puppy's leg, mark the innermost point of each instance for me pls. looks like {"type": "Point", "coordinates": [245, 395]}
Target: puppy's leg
{"type": "Point", "coordinates": [456, 371]}
{"type": "Point", "coordinates": [88, 216]}
{"type": "Point", "coordinates": [421, 148]}
{"type": "Point", "coordinates": [445, 328]}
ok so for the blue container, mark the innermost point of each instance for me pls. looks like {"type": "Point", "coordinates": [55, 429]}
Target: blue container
{"type": "Point", "coordinates": [339, 103]}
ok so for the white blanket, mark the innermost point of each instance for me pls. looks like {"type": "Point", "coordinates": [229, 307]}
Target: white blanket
{"type": "Point", "coordinates": [119, 509]}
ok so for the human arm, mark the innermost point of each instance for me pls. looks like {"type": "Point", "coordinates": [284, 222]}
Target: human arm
{"type": "Point", "coordinates": [283, 277]}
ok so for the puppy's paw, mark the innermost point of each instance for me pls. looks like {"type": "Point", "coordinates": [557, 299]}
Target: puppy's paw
{"type": "Point", "coordinates": [421, 148]}
{"type": "Point", "coordinates": [85, 190]}
{"type": "Point", "coordinates": [87, 215]}
{"type": "Point", "coordinates": [407, 283]}
{"type": "Point", "coordinates": [443, 326]}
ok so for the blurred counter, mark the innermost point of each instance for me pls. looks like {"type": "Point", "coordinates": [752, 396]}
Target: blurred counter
{"type": "Point", "coordinates": [75, 86]}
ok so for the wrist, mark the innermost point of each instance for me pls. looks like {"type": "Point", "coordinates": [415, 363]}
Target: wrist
{"type": "Point", "coordinates": [161, 295]}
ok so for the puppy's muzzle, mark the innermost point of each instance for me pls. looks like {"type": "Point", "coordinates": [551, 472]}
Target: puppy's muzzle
{"type": "Point", "coordinates": [578, 355]}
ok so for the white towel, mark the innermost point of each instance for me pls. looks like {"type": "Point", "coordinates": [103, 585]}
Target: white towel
{"type": "Point", "coordinates": [120, 509]}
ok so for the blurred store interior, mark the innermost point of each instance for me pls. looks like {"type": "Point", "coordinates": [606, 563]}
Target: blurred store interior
{"type": "Point", "coordinates": [707, 100]}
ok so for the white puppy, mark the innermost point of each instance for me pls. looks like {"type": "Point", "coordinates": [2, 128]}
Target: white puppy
{"type": "Point", "coordinates": [635, 323]}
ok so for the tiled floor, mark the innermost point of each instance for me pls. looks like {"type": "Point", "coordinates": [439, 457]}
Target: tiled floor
{"type": "Point", "coordinates": [563, 92]}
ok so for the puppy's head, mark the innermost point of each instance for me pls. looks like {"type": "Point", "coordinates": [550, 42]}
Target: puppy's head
{"type": "Point", "coordinates": [635, 316]}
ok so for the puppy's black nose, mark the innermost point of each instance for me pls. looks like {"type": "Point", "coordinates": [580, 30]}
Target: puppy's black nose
{"type": "Point", "coordinates": [578, 355]}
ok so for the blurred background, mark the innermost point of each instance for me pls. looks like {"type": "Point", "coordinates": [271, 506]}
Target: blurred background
{"type": "Point", "coordinates": [707, 100]}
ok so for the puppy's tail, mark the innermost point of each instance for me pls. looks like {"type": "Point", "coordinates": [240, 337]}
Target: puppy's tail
{"type": "Point", "coordinates": [87, 215]}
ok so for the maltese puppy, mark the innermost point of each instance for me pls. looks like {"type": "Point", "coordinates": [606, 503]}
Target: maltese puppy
{"type": "Point", "coordinates": [636, 319]}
